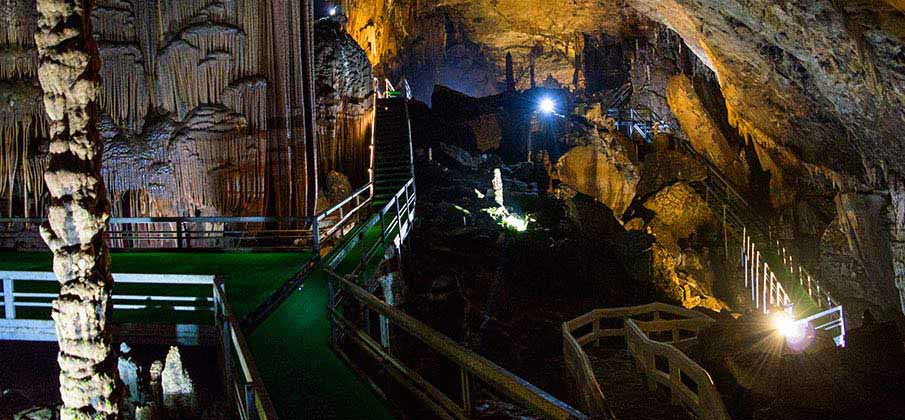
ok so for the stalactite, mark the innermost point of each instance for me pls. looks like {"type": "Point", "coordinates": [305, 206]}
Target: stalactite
{"type": "Point", "coordinates": [18, 63]}
{"type": "Point", "coordinates": [198, 66]}
{"type": "Point", "coordinates": [125, 94]}
{"type": "Point", "coordinates": [249, 98]}
{"type": "Point", "coordinates": [172, 70]}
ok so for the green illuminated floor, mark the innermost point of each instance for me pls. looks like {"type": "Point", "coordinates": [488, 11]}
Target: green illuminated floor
{"type": "Point", "coordinates": [304, 377]}
{"type": "Point", "coordinates": [312, 381]}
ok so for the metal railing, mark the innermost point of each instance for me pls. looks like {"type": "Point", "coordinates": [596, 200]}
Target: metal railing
{"type": "Point", "coordinates": [340, 215]}
{"type": "Point", "coordinates": [395, 219]}
{"type": "Point", "coordinates": [189, 310]}
{"type": "Point", "coordinates": [764, 281]}
{"type": "Point", "coordinates": [702, 398]}
{"type": "Point", "coordinates": [475, 373]}
{"type": "Point", "coordinates": [241, 374]}
{"type": "Point", "coordinates": [183, 233]}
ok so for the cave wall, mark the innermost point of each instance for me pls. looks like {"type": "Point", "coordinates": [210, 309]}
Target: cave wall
{"type": "Point", "coordinates": [201, 107]}
{"type": "Point", "coordinates": [805, 98]}
{"type": "Point", "coordinates": [463, 44]}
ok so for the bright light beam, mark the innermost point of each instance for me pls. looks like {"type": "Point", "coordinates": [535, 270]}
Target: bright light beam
{"type": "Point", "coordinates": [547, 106]}
{"type": "Point", "coordinates": [788, 327]}
{"type": "Point", "coordinates": [332, 11]}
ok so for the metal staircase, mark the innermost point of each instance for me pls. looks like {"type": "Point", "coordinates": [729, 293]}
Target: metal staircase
{"type": "Point", "coordinates": [773, 274]}
{"type": "Point", "coordinates": [392, 148]}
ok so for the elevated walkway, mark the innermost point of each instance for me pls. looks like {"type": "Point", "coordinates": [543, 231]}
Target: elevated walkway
{"type": "Point", "coordinates": [629, 363]}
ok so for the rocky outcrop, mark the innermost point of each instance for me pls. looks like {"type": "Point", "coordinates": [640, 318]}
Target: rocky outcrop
{"type": "Point", "coordinates": [600, 172]}
{"type": "Point", "coordinates": [601, 164]}
{"type": "Point", "coordinates": [703, 132]}
{"type": "Point", "coordinates": [682, 270]}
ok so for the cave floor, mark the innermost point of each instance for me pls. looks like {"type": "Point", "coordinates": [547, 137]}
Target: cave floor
{"type": "Point", "coordinates": [304, 378]}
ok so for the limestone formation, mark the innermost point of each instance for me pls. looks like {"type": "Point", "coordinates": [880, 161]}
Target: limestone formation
{"type": "Point", "coordinates": [164, 66]}
{"type": "Point", "coordinates": [703, 133]}
{"type": "Point", "coordinates": [345, 95]}
{"type": "Point", "coordinates": [602, 169]}
{"type": "Point", "coordinates": [680, 214]}
{"type": "Point", "coordinates": [78, 211]}
{"type": "Point", "coordinates": [179, 397]}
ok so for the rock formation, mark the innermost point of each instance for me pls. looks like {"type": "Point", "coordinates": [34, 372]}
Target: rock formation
{"type": "Point", "coordinates": [179, 397]}
{"type": "Point", "coordinates": [195, 106]}
{"type": "Point", "coordinates": [78, 212]}
{"type": "Point", "coordinates": [345, 95]}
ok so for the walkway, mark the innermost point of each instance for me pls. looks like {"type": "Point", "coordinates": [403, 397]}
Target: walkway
{"type": "Point", "coordinates": [626, 392]}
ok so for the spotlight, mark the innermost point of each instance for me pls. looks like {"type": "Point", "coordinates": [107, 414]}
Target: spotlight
{"type": "Point", "coordinates": [547, 106]}
{"type": "Point", "coordinates": [332, 11]}
{"type": "Point", "coordinates": [788, 327]}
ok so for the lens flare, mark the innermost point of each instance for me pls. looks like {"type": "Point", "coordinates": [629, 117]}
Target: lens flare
{"type": "Point", "coordinates": [547, 106]}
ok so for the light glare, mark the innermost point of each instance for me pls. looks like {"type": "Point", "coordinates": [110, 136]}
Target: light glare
{"type": "Point", "coordinates": [789, 328]}
{"type": "Point", "coordinates": [547, 106]}
{"type": "Point", "coordinates": [332, 11]}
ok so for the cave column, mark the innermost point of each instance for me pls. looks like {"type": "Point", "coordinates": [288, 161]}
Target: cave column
{"type": "Point", "coordinates": [78, 211]}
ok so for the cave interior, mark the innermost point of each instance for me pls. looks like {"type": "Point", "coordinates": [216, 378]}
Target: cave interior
{"type": "Point", "coordinates": [489, 209]}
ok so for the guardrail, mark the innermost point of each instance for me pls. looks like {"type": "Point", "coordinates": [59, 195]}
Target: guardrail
{"type": "Point", "coordinates": [342, 213]}
{"type": "Point", "coordinates": [179, 304]}
{"type": "Point", "coordinates": [240, 372]}
{"type": "Point", "coordinates": [190, 310]}
{"type": "Point", "coordinates": [176, 233]}
{"type": "Point", "coordinates": [474, 370]}
{"type": "Point", "coordinates": [680, 331]}
{"type": "Point", "coordinates": [395, 219]}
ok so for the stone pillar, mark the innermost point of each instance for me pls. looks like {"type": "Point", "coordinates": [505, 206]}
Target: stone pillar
{"type": "Point", "coordinates": [78, 211]}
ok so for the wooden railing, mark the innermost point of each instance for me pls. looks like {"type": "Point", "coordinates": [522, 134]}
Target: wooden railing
{"type": "Point", "coordinates": [701, 397]}
{"type": "Point", "coordinates": [189, 310]}
{"type": "Point", "coordinates": [475, 373]}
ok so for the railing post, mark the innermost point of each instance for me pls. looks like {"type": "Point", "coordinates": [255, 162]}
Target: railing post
{"type": "Point", "coordinates": [466, 390]}
{"type": "Point", "coordinates": [315, 235]}
{"type": "Point", "coordinates": [675, 381]}
{"type": "Point", "coordinates": [9, 302]}
{"type": "Point", "coordinates": [179, 234]}
{"type": "Point", "coordinates": [251, 410]}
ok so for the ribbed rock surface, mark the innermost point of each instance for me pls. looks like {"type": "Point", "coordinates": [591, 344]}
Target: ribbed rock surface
{"type": "Point", "coordinates": [195, 107]}
{"type": "Point", "coordinates": [345, 95]}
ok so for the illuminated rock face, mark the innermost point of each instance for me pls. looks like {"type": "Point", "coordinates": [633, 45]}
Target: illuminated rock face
{"type": "Point", "coordinates": [199, 113]}
{"type": "Point", "coordinates": [464, 44]}
{"type": "Point", "coordinates": [602, 170]}
{"type": "Point", "coordinates": [681, 213]}
{"type": "Point", "coordinates": [703, 132]}
{"type": "Point", "coordinates": [345, 95]}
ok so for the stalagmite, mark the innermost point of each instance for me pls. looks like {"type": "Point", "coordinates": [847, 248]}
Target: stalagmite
{"type": "Point", "coordinates": [78, 212]}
